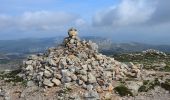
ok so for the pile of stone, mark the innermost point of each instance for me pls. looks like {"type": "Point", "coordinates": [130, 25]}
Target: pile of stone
{"type": "Point", "coordinates": [154, 52]}
{"type": "Point", "coordinates": [79, 62]}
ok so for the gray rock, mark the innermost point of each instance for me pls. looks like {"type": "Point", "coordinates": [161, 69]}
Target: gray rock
{"type": "Point", "coordinates": [66, 79]}
{"type": "Point", "coordinates": [73, 77]}
{"type": "Point", "coordinates": [2, 93]}
{"type": "Point", "coordinates": [91, 78]}
{"type": "Point", "coordinates": [56, 81]}
{"type": "Point", "coordinates": [72, 41]}
{"type": "Point", "coordinates": [29, 67]}
{"type": "Point", "coordinates": [29, 62]}
{"type": "Point", "coordinates": [83, 78]}
{"type": "Point", "coordinates": [52, 62]}
{"type": "Point", "coordinates": [84, 67]}
{"type": "Point", "coordinates": [91, 95]}
{"type": "Point", "coordinates": [80, 82]}
{"type": "Point", "coordinates": [47, 73]}
{"type": "Point", "coordinates": [47, 82]}
{"type": "Point", "coordinates": [65, 72]}
{"type": "Point", "coordinates": [58, 76]}
{"type": "Point", "coordinates": [107, 74]}
{"type": "Point", "coordinates": [83, 72]}
{"type": "Point", "coordinates": [74, 96]}
{"type": "Point", "coordinates": [30, 83]}
{"type": "Point", "coordinates": [134, 86]}
{"type": "Point", "coordinates": [72, 69]}
{"type": "Point", "coordinates": [89, 87]}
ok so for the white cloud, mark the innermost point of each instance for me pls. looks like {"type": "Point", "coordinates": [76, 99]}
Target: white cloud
{"type": "Point", "coordinates": [128, 12]}
{"type": "Point", "coordinates": [40, 20]}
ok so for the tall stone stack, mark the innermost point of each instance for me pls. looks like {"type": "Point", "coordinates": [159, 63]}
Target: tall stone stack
{"type": "Point", "coordinates": [78, 62]}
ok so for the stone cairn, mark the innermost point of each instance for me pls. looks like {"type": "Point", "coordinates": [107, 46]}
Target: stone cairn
{"type": "Point", "coordinates": [76, 61]}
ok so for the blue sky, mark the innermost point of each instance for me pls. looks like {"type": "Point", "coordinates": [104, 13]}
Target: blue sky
{"type": "Point", "coordinates": [121, 20]}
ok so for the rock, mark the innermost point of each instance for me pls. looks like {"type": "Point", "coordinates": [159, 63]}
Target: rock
{"type": "Point", "coordinates": [84, 67]}
{"type": "Point", "coordinates": [73, 77]}
{"type": "Point", "coordinates": [52, 62]}
{"type": "Point", "coordinates": [56, 81]}
{"type": "Point", "coordinates": [47, 82]}
{"type": "Point", "coordinates": [72, 32]}
{"type": "Point", "coordinates": [58, 76]}
{"type": "Point", "coordinates": [30, 83]}
{"type": "Point", "coordinates": [72, 41]}
{"type": "Point", "coordinates": [107, 74]}
{"type": "Point", "coordinates": [99, 89]}
{"type": "Point", "coordinates": [110, 88]}
{"type": "Point", "coordinates": [84, 78]}
{"type": "Point", "coordinates": [80, 82]}
{"type": "Point", "coordinates": [89, 87]}
{"type": "Point", "coordinates": [29, 62]}
{"type": "Point", "coordinates": [66, 79]}
{"type": "Point", "coordinates": [82, 72]}
{"type": "Point", "coordinates": [108, 96]}
{"type": "Point", "coordinates": [2, 93]}
{"type": "Point", "coordinates": [74, 96]}
{"type": "Point", "coordinates": [65, 72]}
{"type": "Point", "coordinates": [29, 67]}
{"type": "Point", "coordinates": [47, 73]}
{"type": "Point", "coordinates": [91, 95]}
{"type": "Point", "coordinates": [93, 46]}
{"type": "Point", "coordinates": [91, 78]}
{"type": "Point", "coordinates": [134, 86]}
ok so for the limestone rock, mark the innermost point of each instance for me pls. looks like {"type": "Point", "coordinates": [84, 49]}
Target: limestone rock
{"type": "Point", "coordinates": [56, 81]}
{"type": "Point", "coordinates": [47, 82]}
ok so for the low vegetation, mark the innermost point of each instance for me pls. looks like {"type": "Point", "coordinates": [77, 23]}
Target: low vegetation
{"type": "Point", "coordinates": [149, 61]}
{"type": "Point", "coordinates": [122, 90]}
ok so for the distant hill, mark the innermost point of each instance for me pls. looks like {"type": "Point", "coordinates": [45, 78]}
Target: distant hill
{"type": "Point", "coordinates": [106, 46]}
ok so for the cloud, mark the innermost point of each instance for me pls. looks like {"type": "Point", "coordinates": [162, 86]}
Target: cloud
{"type": "Point", "coordinates": [128, 12]}
{"type": "Point", "coordinates": [135, 20]}
{"type": "Point", "coordinates": [39, 20]}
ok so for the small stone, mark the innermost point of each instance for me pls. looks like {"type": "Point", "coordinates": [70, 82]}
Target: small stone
{"type": "Point", "coordinates": [83, 72]}
{"type": "Point", "coordinates": [65, 72]}
{"type": "Point", "coordinates": [134, 86]}
{"type": "Point", "coordinates": [110, 88]}
{"type": "Point", "coordinates": [66, 79]}
{"type": "Point", "coordinates": [80, 82]}
{"type": "Point", "coordinates": [72, 32]}
{"type": "Point", "coordinates": [30, 83]}
{"type": "Point", "coordinates": [89, 87]}
{"type": "Point", "coordinates": [108, 96]}
{"type": "Point", "coordinates": [72, 41]}
{"type": "Point", "coordinates": [91, 95]}
{"type": "Point", "coordinates": [58, 76]}
{"type": "Point", "coordinates": [84, 78]}
{"type": "Point", "coordinates": [73, 77]}
{"type": "Point", "coordinates": [47, 82]}
{"type": "Point", "coordinates": [47, 73]}
{"type": "Point", "coordinates": [72, 69]}
{"type": "Point", "coordinates": [99, 89]}
{"type": "Point", "coordinates": [56, 81]}
{"type": "Point", "coordinates": [29, 62]}
{"type": "Point", "coordinates": [91, 78]}
{"type": "Point", "coordinates": [29, 67]}
{"type": "Point", "coordinates": [107, 74]}
{"type": "Point", "coordinates": [84, 67]}
{"type": "Point", "coordinates": [52, 62]}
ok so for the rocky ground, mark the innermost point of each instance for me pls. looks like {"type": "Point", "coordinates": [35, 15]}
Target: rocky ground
{"type": "Point", "coordinates": [75, 70]}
